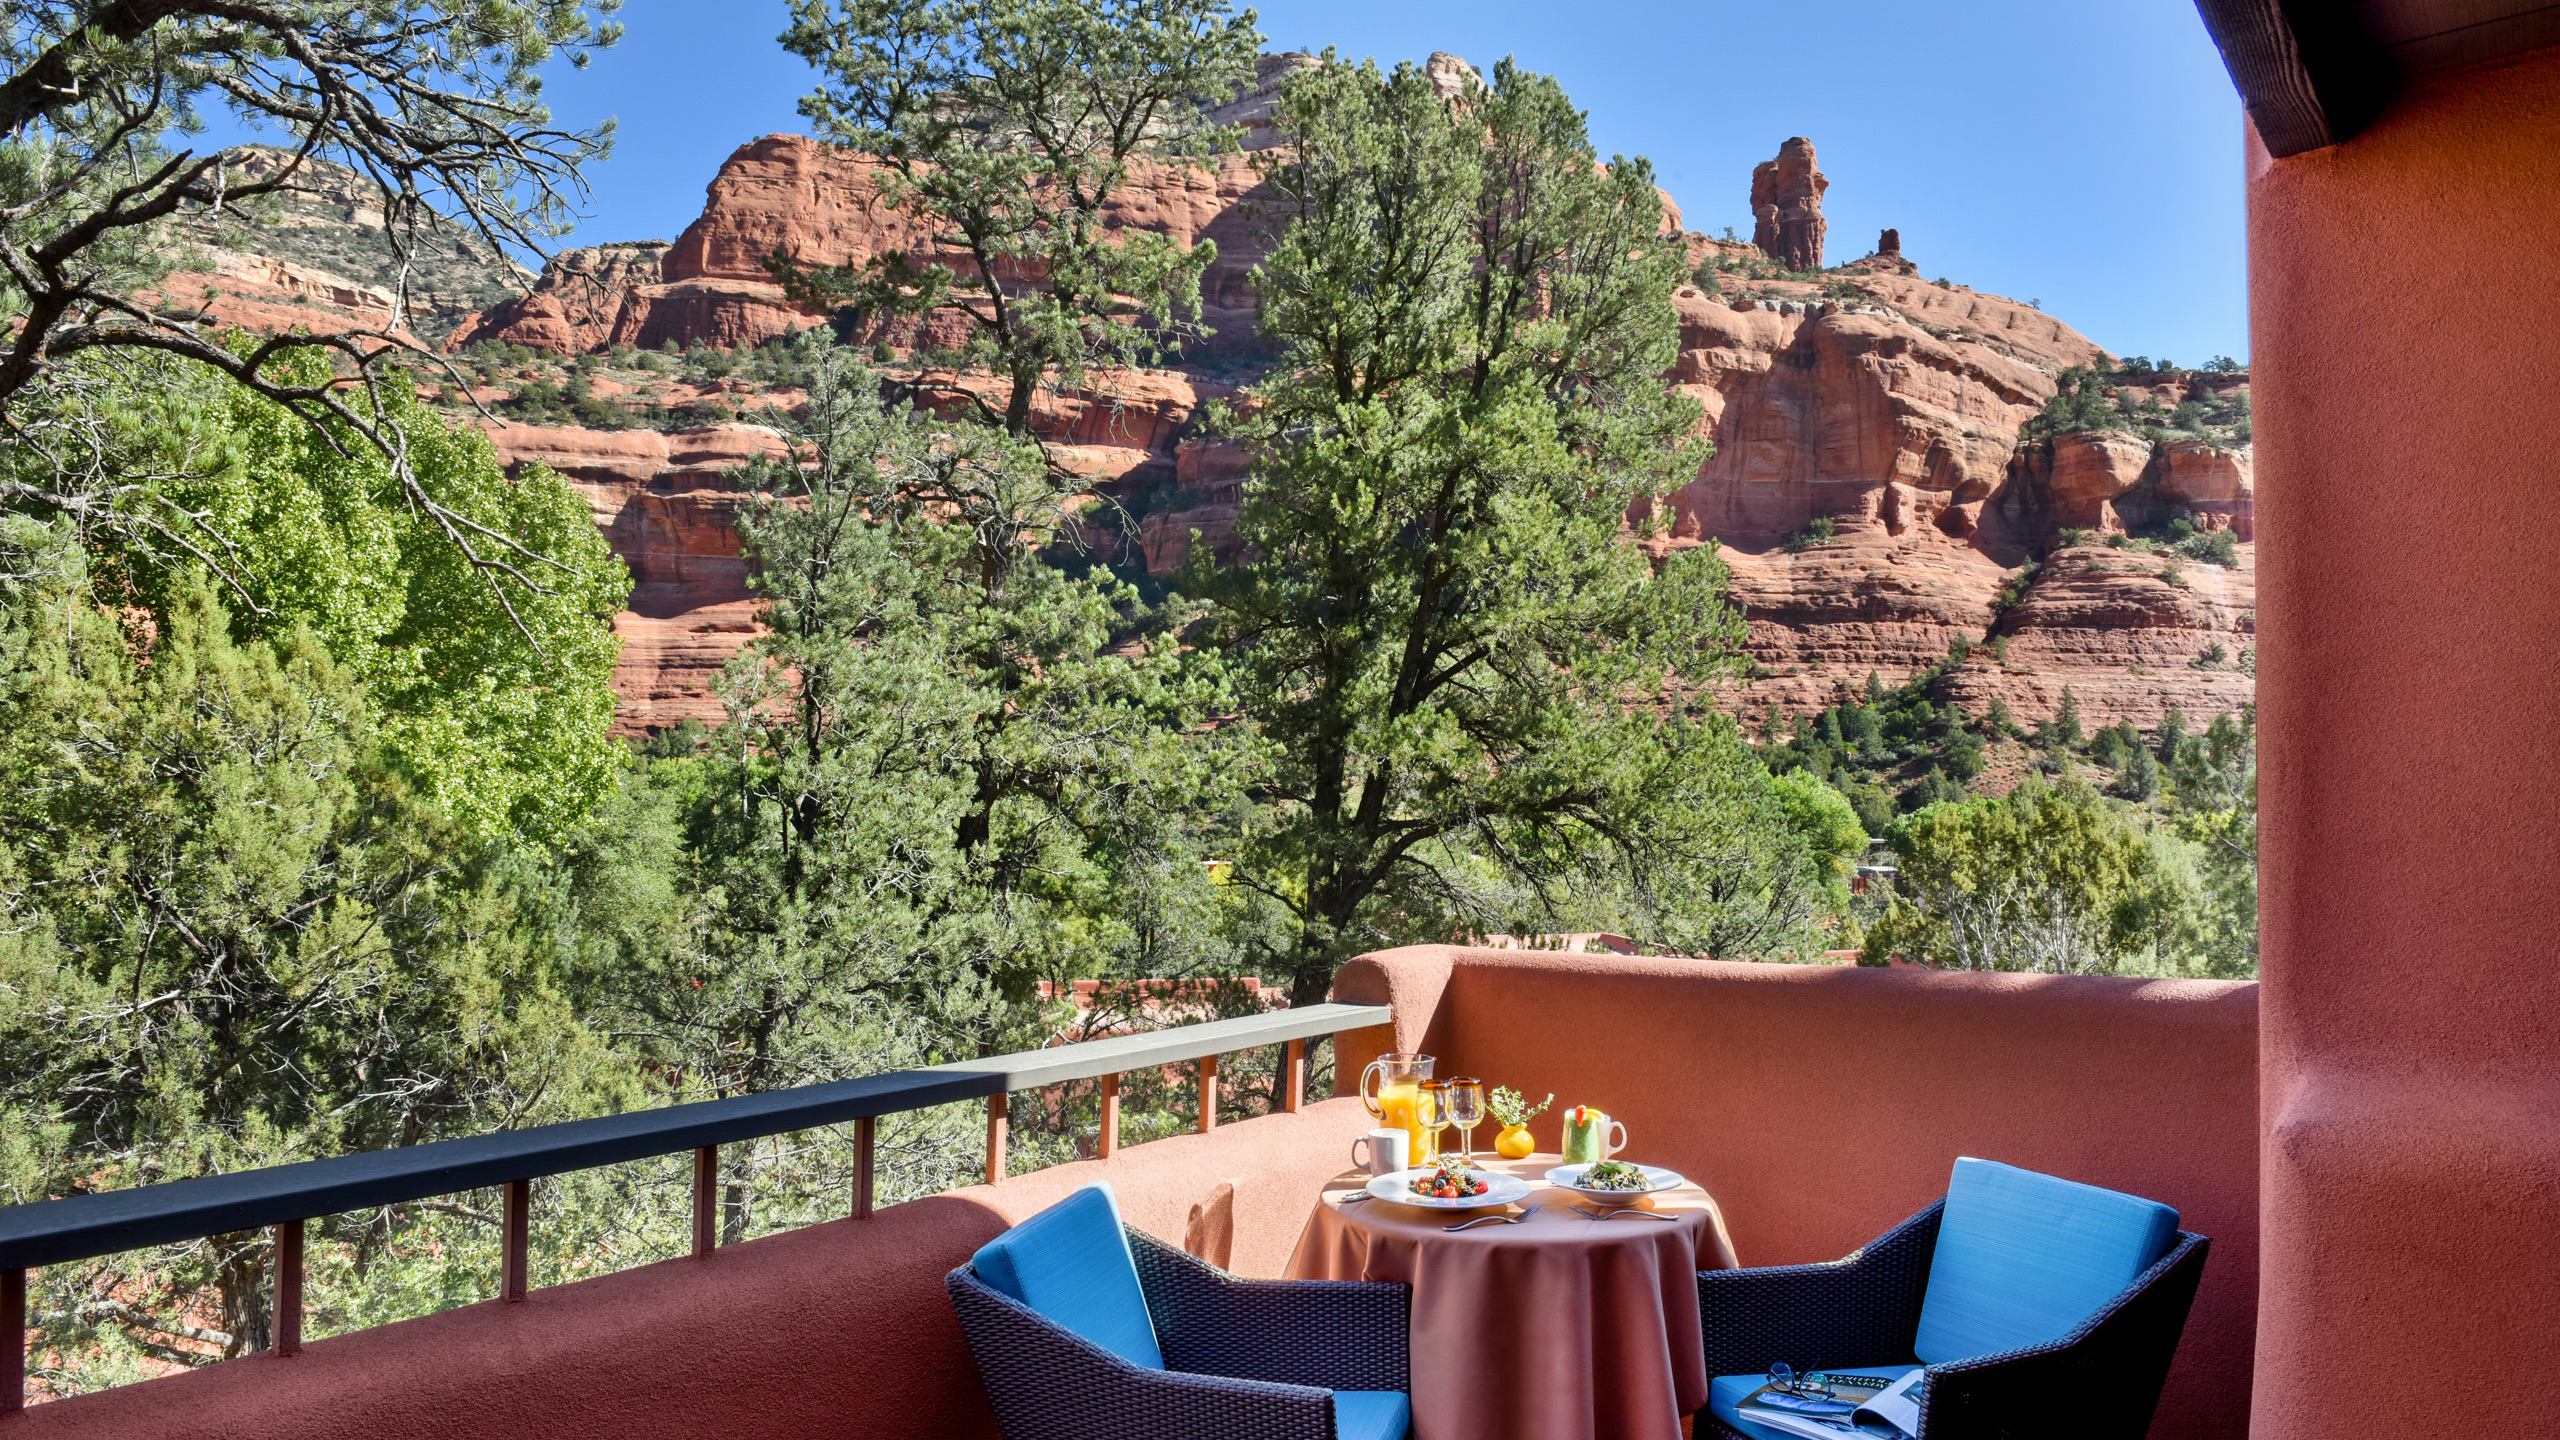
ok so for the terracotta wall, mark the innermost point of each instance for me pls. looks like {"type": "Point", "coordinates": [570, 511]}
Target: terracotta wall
{"type": "Point", "coordinates": [1821, 1104]}
{"type": "Point", "coordinates": [838, 1330]}
{"type": "Point", "coordinates": [2406, 337]}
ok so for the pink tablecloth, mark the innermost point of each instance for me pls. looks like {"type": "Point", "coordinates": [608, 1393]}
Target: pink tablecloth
{"type": "Point", "coordinates": [1560, 1328]}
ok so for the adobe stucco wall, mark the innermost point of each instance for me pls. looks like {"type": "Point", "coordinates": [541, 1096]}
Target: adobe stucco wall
{"type": "Point", "coordinates": [2406, 337]}
{"type": "Point", "coordinates": [838, 1330]}
{"type": "Point", "coordinates": [1821, 1104]}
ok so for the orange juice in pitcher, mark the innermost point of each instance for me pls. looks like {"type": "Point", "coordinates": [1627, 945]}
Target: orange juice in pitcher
{"type": "Point", "coordinates": [1397, 1100]}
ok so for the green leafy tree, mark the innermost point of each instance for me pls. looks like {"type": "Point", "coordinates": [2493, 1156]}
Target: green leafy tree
{"type": "Point", "coordinates": [1872, 803]}
{"type": "Point", "coordinates": [2140, 778]}
{"type": "Point", "coordinates": [1965, 756]}
{"type": "Point", "coordinates": [234, 937]}
{"type": "Point", "coordinates": [1737, 864]}
{"type": "Point", "coordinates": [2040, 879]}
{"type": "Point", "coordinates": [1465, 678]}
{"type": "Point", "coordinates": [1005, 126]}
{"type": "Point", "coordinates": [2214, 802]}
{"type": "Point", "coordinates": [496, 702]}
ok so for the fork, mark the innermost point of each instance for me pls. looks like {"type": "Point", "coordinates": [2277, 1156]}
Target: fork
{"type": "Point", "coordinates": [1612, 1214]}
{"type": "Point", "coordinates": [1492, 1219]}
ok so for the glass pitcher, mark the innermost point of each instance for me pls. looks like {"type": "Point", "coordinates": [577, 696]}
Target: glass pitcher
{"type": "Point", "coordinates": [1399, 1087]}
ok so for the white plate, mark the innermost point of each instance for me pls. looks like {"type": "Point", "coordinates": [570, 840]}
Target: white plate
{"type": "Point", "coordinates": [1569, 1177]}
{"type": "Point", "coordinates": [1500, 1190]}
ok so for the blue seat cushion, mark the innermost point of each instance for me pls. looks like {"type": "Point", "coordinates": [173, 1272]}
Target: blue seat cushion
{"type": "Point", "coordinates": [1371, 1415]}
{"type": "Point", "coordinates": [1071, 1263]}
{"type": "Point", "coordinates": [2024, 1258]}
{"type": "Point", "coordinates": [1726, 1393]}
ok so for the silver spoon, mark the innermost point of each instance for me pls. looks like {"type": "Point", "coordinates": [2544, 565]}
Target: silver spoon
{"type": "Point", "coordinates": [1491, 1219]}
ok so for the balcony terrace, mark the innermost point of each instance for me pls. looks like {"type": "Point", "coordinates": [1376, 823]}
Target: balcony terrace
{"type": "Point", "coordinates": [1817, 1104]}
{"type": "Point", "coordinates": [2370, 1137]}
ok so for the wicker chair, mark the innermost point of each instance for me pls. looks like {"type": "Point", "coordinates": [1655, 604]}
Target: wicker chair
{"type": "Point", "coordinates": [1227, 1359]}
{"type": "Point", "coordinates": [2098, 1378]}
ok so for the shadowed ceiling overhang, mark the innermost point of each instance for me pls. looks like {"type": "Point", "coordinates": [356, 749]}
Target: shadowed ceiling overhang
{"type": "Point", "coordinates": [2313, 72]}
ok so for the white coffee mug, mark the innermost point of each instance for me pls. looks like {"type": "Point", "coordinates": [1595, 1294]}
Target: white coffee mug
{"type": "Point", "coordinates": [1388, 1150]}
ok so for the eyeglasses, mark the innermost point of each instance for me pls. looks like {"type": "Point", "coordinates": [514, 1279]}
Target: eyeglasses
{"type": "Point", "coordinates": [1783, 1377]}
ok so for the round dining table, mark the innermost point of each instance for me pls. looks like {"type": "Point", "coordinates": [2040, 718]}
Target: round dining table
{"type": "Point", "coordinates": [1561, 1327]}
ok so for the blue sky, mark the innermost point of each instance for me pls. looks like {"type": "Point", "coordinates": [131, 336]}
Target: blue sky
{"type": "Point", "coordinates": [2083, 154]}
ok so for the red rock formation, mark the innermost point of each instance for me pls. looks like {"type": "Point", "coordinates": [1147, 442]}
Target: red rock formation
{"type": "Point", "coordinates": [577, 306]}
{"type": "Point", "coordinates": [272, 296]}
{"type": "Point", "coordinates": [1902, 430]}
{"type": "Point", "coordinates": [1786, 206]}
{"type": "Point", "coordinates": [1896, 418]}
{"type": "Point", "coordinates": [2132, 635]}
{"type": "Point", "coordinates": [668, 508]}
{"type": "Point", "coordinates": [791, 195]}
{"type": "Point", "coordinates": [1209, 476]}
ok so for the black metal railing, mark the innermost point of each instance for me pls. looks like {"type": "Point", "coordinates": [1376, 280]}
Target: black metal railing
{"type": "Point", "coordinates": [54, 1232]}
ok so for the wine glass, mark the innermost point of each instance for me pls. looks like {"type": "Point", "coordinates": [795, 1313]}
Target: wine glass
{"type": "Point", "coordinates": [1464, 1100]}
{"type": "Point", "coordinates": [1431, 1111]}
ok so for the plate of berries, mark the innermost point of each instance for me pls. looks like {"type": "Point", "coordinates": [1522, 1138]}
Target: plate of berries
{"type": "Point", "coordinates": [1451, 1185]}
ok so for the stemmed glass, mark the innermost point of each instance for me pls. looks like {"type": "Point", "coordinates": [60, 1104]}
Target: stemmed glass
{"type": "Point", "coordinates": [1431, 1112]}
{"type": "Point", "coordinates": [1463, 1103]}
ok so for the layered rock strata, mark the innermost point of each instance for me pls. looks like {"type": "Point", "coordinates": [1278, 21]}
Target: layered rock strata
{"type": "Point", "coordinates": [1896, 418]}
{"type": "Point", "coordinates": [1903, 434]}
{"type": "Point", "coordinates": [668, 504]}
{"type": "Point", "coordinates": [821, 206]}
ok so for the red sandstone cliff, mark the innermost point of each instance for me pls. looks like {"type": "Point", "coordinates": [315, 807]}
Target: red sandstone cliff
{"type": "Point", "coordinates": [790, 195]}
{"type": "Point", "coordinates": [668, 506]}
{"type": "Point", "coordinates": [1897, 417]}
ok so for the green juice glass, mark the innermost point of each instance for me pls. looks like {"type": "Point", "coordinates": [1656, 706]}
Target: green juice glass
{"type": "Point", "coordinates": [1587, 1137]}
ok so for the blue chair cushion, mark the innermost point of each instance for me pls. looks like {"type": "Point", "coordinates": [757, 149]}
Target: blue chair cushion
{"type": "Point", "coordinates": [1371, 1415]}
{"type": "Point", "coordinates": [1726, 1393]}
{"type": "Point", "coordinates": [1071, 1263]}
{"type": "Point", "coordinates": [2023, 1258]}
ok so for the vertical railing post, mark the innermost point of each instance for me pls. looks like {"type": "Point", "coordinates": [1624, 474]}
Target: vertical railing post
{"type": "Point", "coordinates": [706, 1199]}
{"type": "Point", "coordinates": [516, 1236]}
{"type": "Point", "coordinates": [13, 1341]}
{"type": "Point", "coordinates": [1208, 1093]}
{"type": "Point", "coordinates": [865, 1131]}
{"type": "Point", "coordinates": [1110, 1116]}
{"type": "Point", "coordinates": [288, 1287]}
{"type": "Point", "coordinates": [995, 1137]}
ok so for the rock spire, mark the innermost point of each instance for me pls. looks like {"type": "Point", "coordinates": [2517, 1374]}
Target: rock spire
{"type": "Point", "coordinates": [1786, 206]}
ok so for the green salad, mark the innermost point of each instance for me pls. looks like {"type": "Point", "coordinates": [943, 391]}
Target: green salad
{"type": "Point", "coordinates": [1615, 1175]}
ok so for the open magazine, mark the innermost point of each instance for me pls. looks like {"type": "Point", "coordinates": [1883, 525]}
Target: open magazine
{"type": "Point", "coordinates": [1872, 1404]}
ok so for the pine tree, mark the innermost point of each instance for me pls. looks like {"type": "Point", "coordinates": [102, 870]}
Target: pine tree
{"type": "Point", "coordinates": [2173, 732]}
{"type": "Point", "coordinates": [1463, 673]}
{"type": "Point", "coordinates": [2066, 721]}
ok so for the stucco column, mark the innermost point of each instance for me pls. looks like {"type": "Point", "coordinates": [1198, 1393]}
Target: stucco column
{"type": "Point", "coordinates": [2405, 299]}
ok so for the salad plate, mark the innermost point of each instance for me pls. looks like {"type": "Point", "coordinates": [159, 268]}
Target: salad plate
{"type": "Point", "coordinates": [1399, 1187]}
{"type": "Point", "coordinates": [1624, 1183]}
